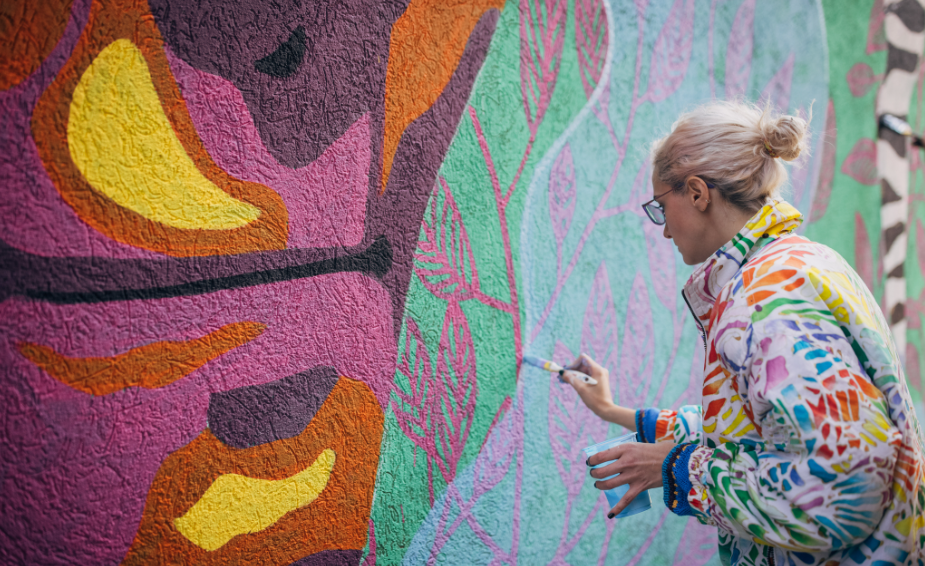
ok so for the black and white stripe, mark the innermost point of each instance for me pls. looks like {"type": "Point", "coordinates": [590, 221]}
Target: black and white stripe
{"type": "Point", "coordinates": [904, 25]}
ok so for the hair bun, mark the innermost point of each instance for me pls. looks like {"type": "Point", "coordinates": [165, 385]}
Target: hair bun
{"type": "Point", "coordinates": [783, 136]}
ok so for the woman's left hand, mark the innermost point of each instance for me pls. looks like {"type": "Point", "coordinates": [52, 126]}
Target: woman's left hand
{"type": "Point", "coordinates": [639, 465]}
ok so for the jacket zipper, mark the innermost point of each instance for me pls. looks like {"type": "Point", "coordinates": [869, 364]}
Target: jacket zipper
{"type": "Point", "coordinates": [703, 333]}
{"type": "Point", "coordinates": [770, 556]}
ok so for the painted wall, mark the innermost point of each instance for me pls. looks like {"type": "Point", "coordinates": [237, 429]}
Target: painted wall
{"type": "Point", "coordinates": [268, 269]}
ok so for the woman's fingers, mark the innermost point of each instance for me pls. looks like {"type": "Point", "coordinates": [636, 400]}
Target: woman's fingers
{"type": "Point", "coordinates": [614, 453]}
{"type": "Point", "coordinates": [627, 498]}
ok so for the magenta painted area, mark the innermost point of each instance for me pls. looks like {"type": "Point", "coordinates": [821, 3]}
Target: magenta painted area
{"type": "Point", "coordinates": [33, 216]}
{"type": "Point", "coordinates": [82, 465]}
{"type": "Point", "coordinates": [326, 199]}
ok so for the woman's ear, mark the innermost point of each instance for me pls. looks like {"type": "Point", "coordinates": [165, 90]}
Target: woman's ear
{"type": "Point", "coordinates": [698, 193]}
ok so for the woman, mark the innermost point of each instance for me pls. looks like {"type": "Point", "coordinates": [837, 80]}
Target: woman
{"type": "Point", "coordinates": [806, 449]}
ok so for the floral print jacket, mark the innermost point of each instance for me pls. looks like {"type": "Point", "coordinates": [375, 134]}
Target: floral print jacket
{"type": "Point", "coordinates": [806, 449]}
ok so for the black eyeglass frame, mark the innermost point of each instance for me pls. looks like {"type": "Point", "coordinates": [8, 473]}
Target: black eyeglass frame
{"type": "Point", "coordinates": [656, 212]}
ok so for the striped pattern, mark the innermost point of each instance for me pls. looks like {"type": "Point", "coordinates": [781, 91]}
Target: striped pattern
{"type": "Point", "coordinates": [904, 25]}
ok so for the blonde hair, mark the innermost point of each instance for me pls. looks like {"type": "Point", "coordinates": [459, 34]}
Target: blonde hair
{"type": "Point", "coordinates": [736, 146]}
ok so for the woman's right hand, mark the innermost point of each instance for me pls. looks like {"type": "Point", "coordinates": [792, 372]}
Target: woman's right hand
{"type": "Point", "coordinates": [598, 397]}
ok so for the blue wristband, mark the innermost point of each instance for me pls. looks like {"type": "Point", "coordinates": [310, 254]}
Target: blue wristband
{"type": "Point", "coordinates": [676, 479]}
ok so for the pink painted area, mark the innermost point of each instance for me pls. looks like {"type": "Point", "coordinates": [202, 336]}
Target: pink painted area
{"type": "Point", "coordinates": [861, 163]}
{"type": "Point", "coordinates": [33, 216]}
{"type": "Point", "coordinates": [861, 78]}
{"type": "Point", "coordinates": [672, 52]}
{"type": "Point", "coordinates": [739, 50]}
{"type": "Point", "coordinates": [863, 255]}
{"type": "Point", "coordinates": [326, 199]}
{"type": "Point", "coordinates": [778, 88]}
{"type": "Point", "coordinates": [84, 464]}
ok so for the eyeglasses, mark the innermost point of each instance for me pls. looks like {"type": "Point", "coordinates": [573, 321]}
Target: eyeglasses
{"type": "Point", "coordinates": [656, 212]}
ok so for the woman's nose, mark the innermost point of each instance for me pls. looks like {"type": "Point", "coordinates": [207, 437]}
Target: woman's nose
{"type": "Point", "coordinates": [666, 232]}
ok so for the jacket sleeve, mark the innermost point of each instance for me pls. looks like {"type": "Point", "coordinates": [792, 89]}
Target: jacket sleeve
{"type": "Point", "coordinates": [683, 425]}
{"type": "Point", "coordinates": [820, 476]}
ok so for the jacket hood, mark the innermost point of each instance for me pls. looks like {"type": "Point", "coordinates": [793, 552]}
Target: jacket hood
{"type": "Point", "coordinates": [775, 219]}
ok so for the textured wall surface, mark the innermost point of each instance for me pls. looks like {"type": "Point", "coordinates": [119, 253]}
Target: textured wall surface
{"type": "Point", "coordinates": [267, 269]}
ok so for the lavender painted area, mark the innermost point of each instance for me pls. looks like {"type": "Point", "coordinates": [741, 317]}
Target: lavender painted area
{"type": "Point", "coordinates": [331, 558]}
{"type": "Point", "coordinates": [257, 414]}
{"type": "Point", "coordinates": [83, 464]}
{"type": "Point", "coordinates": [325, 199]}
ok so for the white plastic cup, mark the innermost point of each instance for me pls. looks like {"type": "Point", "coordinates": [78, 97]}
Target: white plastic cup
{"type": "Point", "coordinates": [641, 502]}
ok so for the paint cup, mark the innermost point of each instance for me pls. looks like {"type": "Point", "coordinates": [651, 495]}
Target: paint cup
{"type": "Point", "coordinates": [642, 501]}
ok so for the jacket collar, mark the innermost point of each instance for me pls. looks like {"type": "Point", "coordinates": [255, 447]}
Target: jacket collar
{"type": "Point", "coordinates": [773, 220]}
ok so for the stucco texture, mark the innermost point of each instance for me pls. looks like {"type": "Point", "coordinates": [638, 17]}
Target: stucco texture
{"type": "Point", "coordinates": [267, 270]}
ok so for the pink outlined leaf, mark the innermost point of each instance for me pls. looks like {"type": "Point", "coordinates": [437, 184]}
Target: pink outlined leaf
{"type": "Point", "coordinates": [697, 546]}
{"type": "Point", "coordinates": [799, 175]}
{"type": "Point", "coordinates": [863, 258]}
{"type": "Point", "coordinates": [876, 35]}
{"type": "Point", "coordinates": [494, 459]}
{"type": "Point", "coordinates": [672, 52]}
{"type": "Point", "coordinates": [920, 243]}
{"type": "Point", "coordinates": [661, 264]}
{"type": "Point", "coordinates": [411, 400]}
{"type": "Point", "coordinates": [542, 37]}
{"type": "Point", "coordinates": [694, 392]}
{"type": "Point", "coordinates": [778, 88]}
{"type": "Point", "coordinates": [638, 349]}
{"type": "Point", "coordinates": [861, 163]}
{"type": "Point", "coordinates": [443, 259]}
{"type": "Point", "coordinates": [739, 50]}
{"type": "Point", "coordinates": [562, 194]}
{"type": "Point", "coordinates": [455, 404]}
{"type": "Point", "coordinates": [572, 426]}
{"type": "Point", "coordinates": [860, 78]}
{"type": "Point", "coordinates": [827, 172]}
{"type": "Point", "coordinates": [591, 40]}
{"type": "Point", "coordinates": [912, 367]}
{"type": "Point", "coordinates": [641, 191]}
{"type": "Point", "coordinates": [599, 333]}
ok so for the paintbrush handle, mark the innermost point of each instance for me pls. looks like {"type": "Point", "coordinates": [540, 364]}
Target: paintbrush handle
{"type": "Point", "coordinates": [582, 376]}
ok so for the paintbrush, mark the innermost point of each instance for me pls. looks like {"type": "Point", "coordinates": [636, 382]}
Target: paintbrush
{"type": "Point", "coordinates": [553, 367]}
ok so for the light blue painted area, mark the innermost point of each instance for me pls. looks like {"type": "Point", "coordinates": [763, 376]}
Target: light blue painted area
{"type": "Point", "coordinates": [637, 324]}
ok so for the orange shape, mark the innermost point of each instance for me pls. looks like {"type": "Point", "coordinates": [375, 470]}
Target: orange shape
{"type": "Point", "coordinates": [428, 41]}
{"type": "Point", "coordinates": [150, 366]}
{"type": "Point", "coordinates": [131, 19]}
{"type": "Point", "coordinates": [29, 31]}
{"type": "Point", "coordinates": [349, 423]}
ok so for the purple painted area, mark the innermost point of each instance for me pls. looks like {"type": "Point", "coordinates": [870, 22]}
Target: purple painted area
{"type": "Point", "coordinates": [325, 199]}
{"type": "Point", "coordinates": [331, 558]}
{"type": "Point", "coordinates": [33, 217]}
{"type": "Point", "coordinates": [83, 464]}
{"type": "Point", "coordinates": [339, 78]}
{"type": "Point", "coordinates": [258, 414]}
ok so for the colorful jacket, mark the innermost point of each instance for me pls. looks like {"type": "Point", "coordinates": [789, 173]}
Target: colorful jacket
{"type": "Point", "coordinates": [806, 449]}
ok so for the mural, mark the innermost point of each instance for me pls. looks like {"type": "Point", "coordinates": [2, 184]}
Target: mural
{"type": "Point", "coordinates": [269, 269]}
